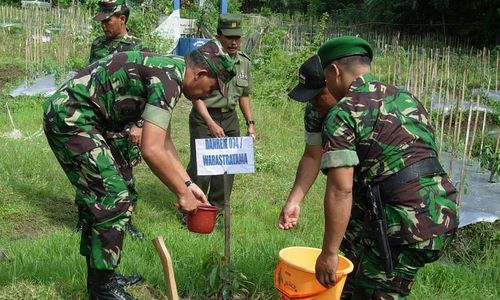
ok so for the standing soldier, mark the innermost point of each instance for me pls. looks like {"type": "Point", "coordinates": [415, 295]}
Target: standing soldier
{"type": "Point", "coordinates": [389, 205]}
{"type": "Point", "coordinates": [311, 89]}
{"type": "Point", "coordinates": [113, 15]}
{"type": "Point", "coordinates": [105, 97]}
{"type": "Point", "coordinates": [216, 116]}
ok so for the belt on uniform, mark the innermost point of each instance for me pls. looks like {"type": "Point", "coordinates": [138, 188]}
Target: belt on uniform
{"type": "Point", "coordinates": [219, 109]}
{"type": "Point", "coordinates": [426, 167]}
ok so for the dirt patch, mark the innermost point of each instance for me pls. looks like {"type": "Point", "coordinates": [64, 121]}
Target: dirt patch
{"type": "Point", "coordinates": [9, 74]}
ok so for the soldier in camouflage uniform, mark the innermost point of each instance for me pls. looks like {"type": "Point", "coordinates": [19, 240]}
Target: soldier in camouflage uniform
{"type": "Point", "coordinates": [216, 116]}
{"type": "Point", "coordinates": [102, 98]}
{"type": "Point", "coordinates": [378, 139]}
{"type": "Point", "coordinates": [311, 89]}
{"type": "Point", "coordinates": [113, 15]}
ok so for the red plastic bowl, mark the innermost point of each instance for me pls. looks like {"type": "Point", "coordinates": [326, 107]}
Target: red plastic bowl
{"type": "Point", "coordinates": [203, 221]}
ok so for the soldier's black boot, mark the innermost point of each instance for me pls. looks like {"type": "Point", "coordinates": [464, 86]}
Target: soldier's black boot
{"type": "Point", "coordinates": [79, 223]}
{"type": "Point", "coordinates": [128, 280]}
{"type": "Point", "coordinates": [133, 231]}
{"type": "Point", "coordinates": [103, 286]}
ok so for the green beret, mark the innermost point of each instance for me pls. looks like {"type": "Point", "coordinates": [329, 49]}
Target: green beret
{"type": "Point", "coordinates": [342, 47]}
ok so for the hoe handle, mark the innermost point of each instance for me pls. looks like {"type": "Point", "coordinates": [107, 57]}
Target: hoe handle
{"type": "Point", "coordinates": [168, 267]}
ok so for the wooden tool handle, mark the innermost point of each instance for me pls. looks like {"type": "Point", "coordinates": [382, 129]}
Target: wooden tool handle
{"type": "Point", "coordinates": [168, 267]}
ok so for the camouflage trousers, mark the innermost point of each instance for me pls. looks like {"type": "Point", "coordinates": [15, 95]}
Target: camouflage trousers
{"type": "Point", "coordinates": [127, 155]}
{"type": "Point", "coordinates": [369, 280]}
{"type": "Point", "coordinates": [106, 195]}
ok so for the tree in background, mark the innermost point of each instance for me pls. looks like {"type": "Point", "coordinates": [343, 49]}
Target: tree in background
{"type": "Point", "coordinates": [477, 20]}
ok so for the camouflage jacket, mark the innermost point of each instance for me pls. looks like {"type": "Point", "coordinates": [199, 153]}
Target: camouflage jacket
{"type": "Point", "coordinates": [102, 47]}
{"type": "Point", "coordinates": [313, 123]}
{"type": "Point", "coordinates": [111, 93]}
{"type": "Point", "coordinates": [379, 129]}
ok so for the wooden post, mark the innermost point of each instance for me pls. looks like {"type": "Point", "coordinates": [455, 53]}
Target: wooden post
{"type": "Point", "coordinates": [168, 268]}
{"type": "Point", "coordinates": [227, 226]}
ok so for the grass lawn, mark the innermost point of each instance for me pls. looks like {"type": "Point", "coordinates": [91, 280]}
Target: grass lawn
{"type": "Point", "coordinates": [39, 256]}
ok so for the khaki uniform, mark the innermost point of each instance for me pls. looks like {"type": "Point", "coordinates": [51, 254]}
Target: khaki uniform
{"type": "Point", "coordinates": [222, 111]}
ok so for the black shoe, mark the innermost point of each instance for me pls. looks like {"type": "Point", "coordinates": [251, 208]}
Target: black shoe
{"type": "Point", "coordinates": [79, 225]}
{"type": "Point", "coordinates": [183, 220]}
{"type": "Point", "coordinates": [103, 286]}
{"type": "Point", "coordinates": [128, 280]}
{"type": "Point", "coordinates": [134, 232]}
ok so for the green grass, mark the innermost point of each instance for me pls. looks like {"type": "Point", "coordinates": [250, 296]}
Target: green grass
{"type": "Point", "coordinates": [41, 259]}
{"type": "Point", "coordinates": [39, 256]}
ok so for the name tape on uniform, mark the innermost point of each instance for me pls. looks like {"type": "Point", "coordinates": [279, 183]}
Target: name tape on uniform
{"type": "Point", "coordinates": [218, 155]}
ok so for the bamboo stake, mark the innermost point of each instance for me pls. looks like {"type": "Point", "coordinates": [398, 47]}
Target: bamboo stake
{"type": "Point", "coordinates": [464, 158]}
{"type": "Point", "coordinates": [442, 123]}
{"type": "Point", "coordinates": [434, 85]}
{"type": "Point", "coordinates": [478, 103]}
{"type": "Point", "coordinates": [493, 161]}
{"type": "Point", "coordinates": [441, 78]}
{"type": "Point", "coordinates": [458, 125]}
{"type": "Point", "coordinates": [496, 74]}
{"type": "Point", "coordinates": [422, 75]}
{"type": "Point", "coordinates": [410, 65]}
{"type": "Point", "coordinates": [452, 113]}
{"type": "Point", "coordinates": [482, 140]}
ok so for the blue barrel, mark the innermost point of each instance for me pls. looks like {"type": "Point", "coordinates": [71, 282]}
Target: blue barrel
{"type": "Point", "coordinates": [187, 45]}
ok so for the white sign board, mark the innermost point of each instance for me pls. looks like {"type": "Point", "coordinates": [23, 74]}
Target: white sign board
{"type": "Point", "coordinates": [218, 155]}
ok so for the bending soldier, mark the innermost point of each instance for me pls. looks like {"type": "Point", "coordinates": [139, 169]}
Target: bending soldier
{"type": "Point", "coordinates": [105, 97]}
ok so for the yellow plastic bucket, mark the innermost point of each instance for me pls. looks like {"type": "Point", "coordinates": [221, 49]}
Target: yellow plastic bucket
{"type": "Point", "coordinates": [295, 278]}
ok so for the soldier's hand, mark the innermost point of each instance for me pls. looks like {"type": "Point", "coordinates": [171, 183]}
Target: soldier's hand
{"type": "Point", "coordinates": [289, 215]}
{"type": "Point", "coordinates": [198, 194]}
{"type": "Point", "coordinates": [135, 135]}
{"type": "Point", "coordinates": [326, 266]}
{"type": "Point", "coordinates": [187, 203]}
{"type": "Point", "coordinates": [251, 131]}
{"type": "Point", "coordinates": [215, 130]}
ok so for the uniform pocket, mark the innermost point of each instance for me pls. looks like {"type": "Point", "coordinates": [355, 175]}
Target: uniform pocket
{"type": "Point", "coordinates": [241, 82]}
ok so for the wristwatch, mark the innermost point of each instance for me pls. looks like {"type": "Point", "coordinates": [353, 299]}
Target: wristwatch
{"type": "Point", "coordinates": [139, 123]}
{"type": "Point", "coordinates": [188, 182]}
{"type": "Point", "coordinates": [250, 122]}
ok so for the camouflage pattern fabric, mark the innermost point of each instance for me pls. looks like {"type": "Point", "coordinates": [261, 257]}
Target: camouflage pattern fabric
{"type": "Point", "coordinates": [102, 98]}
{"type": "Point", "coordinates": [368, 281]}
{"type": "Point", "coordinates": [115, 91]}
{"type": "Point", "coordinates": [105, 197]}
{"type": "Point", "coordinates": [313, 124]}
{"type": "Point", "coordinates": [379, 130]}
{"type": "Point", "coordinates": [218, 61]}
{"type": "Point", "coordinates": [107, 8]}
{"type": "Point", "coordinates": [102, 47]}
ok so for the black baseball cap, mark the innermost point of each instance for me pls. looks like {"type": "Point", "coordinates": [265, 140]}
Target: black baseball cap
{"type": "Point", "coordinates": [311, 80]}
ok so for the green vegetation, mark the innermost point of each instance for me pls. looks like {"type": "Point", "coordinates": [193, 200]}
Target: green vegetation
{"type": "Point", "coordinates": [38, 246]}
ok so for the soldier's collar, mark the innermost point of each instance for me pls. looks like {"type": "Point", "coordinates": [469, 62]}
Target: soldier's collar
{"type": "Point", "coordinates": [361, 80]}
